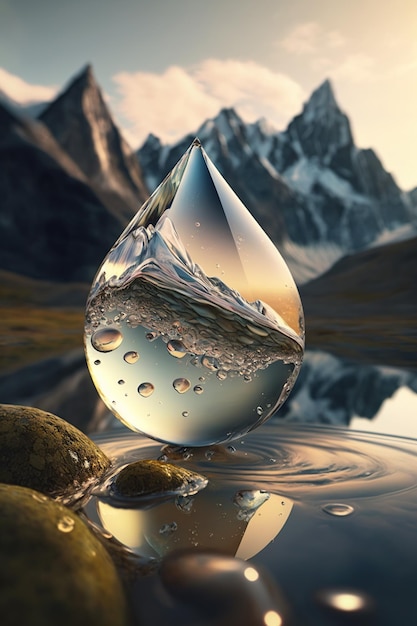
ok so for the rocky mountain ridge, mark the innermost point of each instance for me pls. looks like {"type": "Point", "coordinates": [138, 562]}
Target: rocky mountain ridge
{"type": "Point", "coordinates": [315, 193]}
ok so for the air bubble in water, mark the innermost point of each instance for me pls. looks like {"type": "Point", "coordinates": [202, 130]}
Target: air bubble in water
{"type": "Point", "coordinates": [131, 357]}
{"type": "Point", "coordinates": [146, 389]}
{"type": "Point", "coordinates": [176, 348]}
{"type": "Point", "coordinates": [181, 385]}
{"type": "Point", "coordinates": [106, 339]}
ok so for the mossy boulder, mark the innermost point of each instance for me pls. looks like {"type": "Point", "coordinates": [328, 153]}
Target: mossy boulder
{"type": "Point", "coordinates": [150, 477]}
{"type": "Point", "coordinates": [53, 570]}
{"type": "Point", "coordinates": [44, 452]}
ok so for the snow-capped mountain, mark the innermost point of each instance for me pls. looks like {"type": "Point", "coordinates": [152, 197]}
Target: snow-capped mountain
{"type": "Point", "coordinates": [314, 192]}
{"type": "Point", "coordinates": [82, 124]}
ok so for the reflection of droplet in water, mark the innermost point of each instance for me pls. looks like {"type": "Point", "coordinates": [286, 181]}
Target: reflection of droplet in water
{"type": "Point", "coordinates": [106, 339]}
{"type": "Point", "coordinates": [176, 348]}
{"type": "Point", "coordinates": [66, 524]}
{"type": "Point", "coordinates": [198, 389]}
{"type": "Point", "coordinates": [181, 385]}
{"type": "Point", "coordinates": [131, 357]}
{"type": "Point", "coordinates": [248, 501]}
{"type": "Point", "coordinates": [337, 509]}
{"type": "Point", "coordinates": [146, 389]}
{"type": "Point", "coordinates": [348, 601]}
{"type": "Point", "coordinates": [168, 529]}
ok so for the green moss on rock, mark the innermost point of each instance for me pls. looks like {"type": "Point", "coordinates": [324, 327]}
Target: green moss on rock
{"type": "Point", "coordinates": [53, 570]}
{"type": "Point", "coordinates": [44, 452]}
{"type": "Point", "coordinates": [151, 477]}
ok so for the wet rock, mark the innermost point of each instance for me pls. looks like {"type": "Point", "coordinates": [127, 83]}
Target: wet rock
{"type": "Point", "coordinates": [53, 570]}
{"type": "Point", "coordinates": [42, 451]}
{"type": "Point", "coordinates": [149, 477]}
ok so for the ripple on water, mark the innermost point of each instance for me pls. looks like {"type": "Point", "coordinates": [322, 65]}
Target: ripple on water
{"type": "Point", "coordinates": [290, 460]}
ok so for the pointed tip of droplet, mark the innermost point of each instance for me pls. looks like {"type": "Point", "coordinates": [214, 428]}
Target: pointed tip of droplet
{"type": "Point", "coordinates": [196, 143]}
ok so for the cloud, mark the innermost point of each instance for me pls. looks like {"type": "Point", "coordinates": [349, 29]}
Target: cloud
{"type": "Point", "coordinates": [310, 37]}
{"type": "Point", "coordinates": [22, 92]}
{"type": "Point", "coordinates": [179, 100]}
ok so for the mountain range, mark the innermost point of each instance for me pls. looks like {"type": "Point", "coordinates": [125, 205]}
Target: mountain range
{"type": "Point", "coordinates": [69, 183]}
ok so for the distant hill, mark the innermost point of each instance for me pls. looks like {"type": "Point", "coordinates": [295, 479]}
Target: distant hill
{"type": "Point", "coordinates": [365, 306]}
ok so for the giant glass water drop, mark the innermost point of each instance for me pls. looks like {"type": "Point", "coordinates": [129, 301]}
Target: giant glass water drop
{"type": "Point", "coordinates": [197, 289]}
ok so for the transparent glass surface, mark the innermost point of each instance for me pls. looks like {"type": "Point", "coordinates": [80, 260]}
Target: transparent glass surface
{"type": "Point", "coordinates": [194, 327]}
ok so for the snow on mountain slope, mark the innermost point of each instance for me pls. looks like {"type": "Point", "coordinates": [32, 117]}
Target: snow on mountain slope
{"type": "Point", "coordinates": [313, 191]}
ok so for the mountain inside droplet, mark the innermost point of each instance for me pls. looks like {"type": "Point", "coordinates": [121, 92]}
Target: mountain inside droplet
{"type": "Point", "coordinates": [174, 291]}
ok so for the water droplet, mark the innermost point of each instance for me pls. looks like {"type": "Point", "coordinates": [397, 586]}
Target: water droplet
{"type": "Point", "coordinates": [97, 362]}
{"type": "Point", "coordinates": [181, 385]}
{"type": "Point", "coordinates": [146, 389]}
{"type": "Point", "coordinates": [231, 449]}
{"type": "Point", "coordinates": [190, 277]}
{"type": "Point", "coordinates": [337, 509]}
{"type": "Point", "coordinates": [121, 382]}
{"type": "Point", "coordinates": [210, 362]}
{"type": "Point", "coordinates": [168, 529]}
{"type": "Point", "coordinates": [198, 389]}
{"type": "Point", "coordinates": [185, 413]}
{"type": "Point", "coordinates": [259, 410]}
{"type": "Point", "coordinates": [176, 348]}
{"type": "Point", "coordinates": [66, 524]}
{"type": "Point", "coordinates": [131, 357]}
{"type": "Point", "coordinates": [106, 339]}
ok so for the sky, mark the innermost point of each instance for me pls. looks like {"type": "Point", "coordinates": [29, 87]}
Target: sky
{"type": "Point", "coordinates": [167, 65]}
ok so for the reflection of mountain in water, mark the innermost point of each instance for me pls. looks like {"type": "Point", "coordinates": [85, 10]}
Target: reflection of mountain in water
{"type": "Point", "coordinates": [329, 390]}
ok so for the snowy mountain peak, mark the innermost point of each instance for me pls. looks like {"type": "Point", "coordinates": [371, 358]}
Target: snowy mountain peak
{"type": "Point", "coordinates": [322, 102]}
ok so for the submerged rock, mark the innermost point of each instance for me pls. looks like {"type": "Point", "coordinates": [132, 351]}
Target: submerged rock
{"type": "Point", "coordinates": [53, 570]}
{"type": "Point", "coordinates": [149, 477]}
{"type": "Point", "coordinates": [44, 452]}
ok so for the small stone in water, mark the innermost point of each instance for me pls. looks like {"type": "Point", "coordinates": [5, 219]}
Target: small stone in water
{"type": "Point", "coordinates": [106, 339]}
{"type": "Point", "coordinates": [152, 477]}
